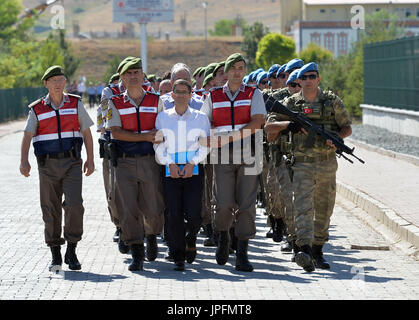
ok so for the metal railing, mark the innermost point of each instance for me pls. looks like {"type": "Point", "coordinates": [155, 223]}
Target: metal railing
{"type": "Point", "coordinates": [14, 102]}
{"type": "Point", "coordinates": [391, 73]}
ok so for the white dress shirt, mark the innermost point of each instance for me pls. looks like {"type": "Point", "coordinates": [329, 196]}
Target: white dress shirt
{"type": "Point", "coordinates": [181, 134]}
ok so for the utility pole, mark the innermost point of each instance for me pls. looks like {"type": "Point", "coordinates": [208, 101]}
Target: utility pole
{"type": "Point", "coordinates": [204, 4]}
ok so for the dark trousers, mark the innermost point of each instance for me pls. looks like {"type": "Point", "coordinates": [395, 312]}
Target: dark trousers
{"type": "Point", "coordinates": [183, 205]}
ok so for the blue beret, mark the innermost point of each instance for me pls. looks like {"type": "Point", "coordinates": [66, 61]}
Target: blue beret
{"type": "Point", "coordinates": [245, 80]}
{"type": "Point", "coordinates": [281, 69]}
{"type": "Point", "coordinates": [255, 74]}
{"type": "Point", "coordinates": [293, 76]}
{"type": "Point", "coordinates": [273, 69]}
{"type": "Point", "coordinates": [250, 75]}
{"type": "Point", "coordinates": [308, 67]}
{"type": "Point", "coordinates": [261, 76]}
{"type": "Point", "coordinates": [293, 64]}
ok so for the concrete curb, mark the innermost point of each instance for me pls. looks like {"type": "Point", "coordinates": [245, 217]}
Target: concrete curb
{"type": "Point", "coordinates": [400, 156]}
{"type": "Point", "coordinates": [381, 213]}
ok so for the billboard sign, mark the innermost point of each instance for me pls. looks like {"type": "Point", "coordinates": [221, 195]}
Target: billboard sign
{"type": "Point", "coordinates": [143, 11]}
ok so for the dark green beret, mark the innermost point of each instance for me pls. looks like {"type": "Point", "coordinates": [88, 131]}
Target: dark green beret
{"type": "Point", "coordinates": [193, 82]}
{"type": "Point", "coordinates": [133, 64]}
{"type": "Point", "coordinates": [159, 79]}
{"type": "Point", "coordinates": [208, 78]}
{"type": "Point", "coordinates": [197, 71]}
{"type": "Point", "coordinates": [123, 62]}
{"type": "Point", "coordinates": [231, 60]}
{"type": "Point", "coordinates": [210, 69]}
{"type": "Point", "coordinates": [221, 64]}
{"type": "Point", "coordinates": [151, 77]}
{"type": "Point", "coordinates": [52, 72]}
{"type": "Point", "coordinates": [201, 72]}
{"type": "Point", "coordinates": [114, 77]}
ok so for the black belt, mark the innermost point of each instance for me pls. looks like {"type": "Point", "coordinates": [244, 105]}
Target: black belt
{"type": "Point", "coordinates": [61, 155]}
{"type": "Point", "coordinates": [128, 155]}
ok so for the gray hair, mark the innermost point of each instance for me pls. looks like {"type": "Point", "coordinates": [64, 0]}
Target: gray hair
{"type": "Point", "coordinates": [179, 67]}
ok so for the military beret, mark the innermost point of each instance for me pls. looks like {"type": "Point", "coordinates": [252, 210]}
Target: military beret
{"type": "Point", "coordinates": [272, 70]}
{"type": "Point", "coordinates": [293, 76]}
{"type": "Point", "coordinates": [261, 76]}
{"type": "Point", "coordinates": [294, 64]}
{"type": "Point", "coordinates": [159, 79]}
{"type": "Point", "coordinates": [246, 80]}
{"type": "Point", "coordinates": [256, 73]}
{"type": "Point", "coordinates": [114, 77]}
{"type": "Point", "coordinates": [193, 82]}
{"type": "Point", "coordinates": [232, 59]}
{"type": "Point", "coordinates": [52, 72]}
{"type": "Point", "coordinates": [210, 69]}
{"type": "Point", "coordinates": [281, 69]}
{"type": "Point", "coordinates": [307, 68]}
{"type": "Point", "coordinates": [197, 72]}
{"type": "Point", "coordinates": [219, 65]}
{"type": "Point", "coordinates": [207, 79]}
{"type": "Point", "coordinates": [133, 64]}
{"type": "Point", "coordinates": [202, 71]}
{"type": "Point", "coordinates": [151, 77]}
{"type": "Point", "coordinates": [123, 62]}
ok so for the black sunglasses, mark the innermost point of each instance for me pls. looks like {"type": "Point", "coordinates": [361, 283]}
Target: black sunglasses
{"type": "Point", "coordinates": [310, 76]}
{"type": "Point", "coordinates": [294, 84]}
{"type": "Point", "coordinates": [282, 76]}
{"type": "Point", "coordinates": [263, 82]}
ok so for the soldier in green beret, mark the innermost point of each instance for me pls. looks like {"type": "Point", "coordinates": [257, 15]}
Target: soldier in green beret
{"type": "Point", "coordinates": [58, 125]}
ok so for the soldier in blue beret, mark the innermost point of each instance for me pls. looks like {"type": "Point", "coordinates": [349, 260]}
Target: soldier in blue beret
{"type": "Point", "coordinates": [274, 83]}
{"type": "Point", "coordinates": [262, 81]}
{"type": "Point", "coordinates": [281, 76]}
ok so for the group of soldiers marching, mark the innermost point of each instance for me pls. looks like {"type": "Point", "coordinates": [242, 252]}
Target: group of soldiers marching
{"type": "Point", "coordinates": [298, 180]}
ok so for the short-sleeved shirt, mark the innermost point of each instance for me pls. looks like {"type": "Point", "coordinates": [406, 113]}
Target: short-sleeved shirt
{"type": "Point", "coordinates": [85, 121]}
{"type": "Point", "coordinates": [257, 105]}
{"type": "Point", "coordinates": [113, 118]}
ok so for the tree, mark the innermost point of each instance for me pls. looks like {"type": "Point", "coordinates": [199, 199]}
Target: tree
{"type": "Point", "coordinates": [274, 48]}
{"type": "Point", "coordinates": [315, 53]}
{"type": "Point", "coordinates": [112, 68]}
{"type": "Point", "coordinates": [224, 27]}
{"type": "Point", "coordinates": [252, 36]}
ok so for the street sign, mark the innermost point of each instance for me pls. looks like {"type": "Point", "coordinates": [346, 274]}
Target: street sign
{"type": "Point", "coordinates": [143, 11]}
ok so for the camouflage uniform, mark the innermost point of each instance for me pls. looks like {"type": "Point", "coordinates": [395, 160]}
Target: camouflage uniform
{"type": "Point", "coordinates": [278, 180]}
{"type": "Point", "coordinates": [314, 181]}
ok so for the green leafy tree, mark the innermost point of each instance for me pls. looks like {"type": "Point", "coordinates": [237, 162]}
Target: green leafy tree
{"type": "Point", "coordinates": [251, 37]}
{"type": "Point", "coordinates": [113, 66]}
{"type": "Point", "coordinates": [315, 53]}
{"type": "Point", "coordinates": [224, 27]}
{"type": "Point", "coordinates": [274, 48]}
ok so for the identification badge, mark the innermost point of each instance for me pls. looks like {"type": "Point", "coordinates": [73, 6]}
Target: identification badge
{"type": "Point", "coordinates": [308, 111]}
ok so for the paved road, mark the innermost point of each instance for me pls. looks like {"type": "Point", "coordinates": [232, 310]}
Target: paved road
{"type": "Point", "coordinates": [24, 258]}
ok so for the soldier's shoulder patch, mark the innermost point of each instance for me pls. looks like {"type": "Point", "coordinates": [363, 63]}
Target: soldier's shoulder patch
{"type": "Point", "coordinates": [109, 114]}
{"type": "Point", "coordinates": [34, 103]}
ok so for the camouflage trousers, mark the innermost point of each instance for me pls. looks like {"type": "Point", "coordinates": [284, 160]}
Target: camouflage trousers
{"type": "Point", "coordinates": [314, 186]}
{"type": "Point", "coordinates": [285, 193]}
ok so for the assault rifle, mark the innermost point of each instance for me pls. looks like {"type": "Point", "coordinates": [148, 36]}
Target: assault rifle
{"type": "Point", "coordinates": [313, 129]}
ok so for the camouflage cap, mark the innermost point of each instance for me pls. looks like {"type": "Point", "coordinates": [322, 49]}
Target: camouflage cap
{"type": "Point", "coordinates": [232, 59]}
{"type": "Point", "coordinates": [52, 72]}
{"type": "Point", "coordinates": [133, 64]}
{"type": "Point", "coordinates": [123, 62]}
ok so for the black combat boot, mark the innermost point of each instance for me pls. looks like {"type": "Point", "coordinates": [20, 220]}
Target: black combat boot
{"type": "Point", "coordinates": [70, 257]}
{"type": "Point", "coordinates": [278, 230]}
{"type": "Point", "coordinates": [123, 248]}
{"type": "Point", "coordinates": [242, 262]}
{"type": "Point", "coordinates": [318, 257]}
{"type": "Point", "coordinates": [137, 251]}
{"type": "Point", "coordinates": [221, 254]}
{"type": "Point", "coordinates": [57, 260]}
{"type": "Point", "coordinates": [233, 240]}
{"type": "Point", "coordinates": [152, 249]}
{"type": "Point", "coordinates": [270, 233]}
{"type": "Point", "coordinates": [116, 234]}
{"type": "Point", "coordinates": [295, 250]}
{"type": "Point", "coordinates": [209, 241]}
{"type": "Point", "coordinates": [286, 246]}
{"type": "Point", "coordinates": [304, 258]}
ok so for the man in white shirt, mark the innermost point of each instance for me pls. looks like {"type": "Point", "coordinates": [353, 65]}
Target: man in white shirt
{"type": "Point", "coordinates": [181, 153]}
